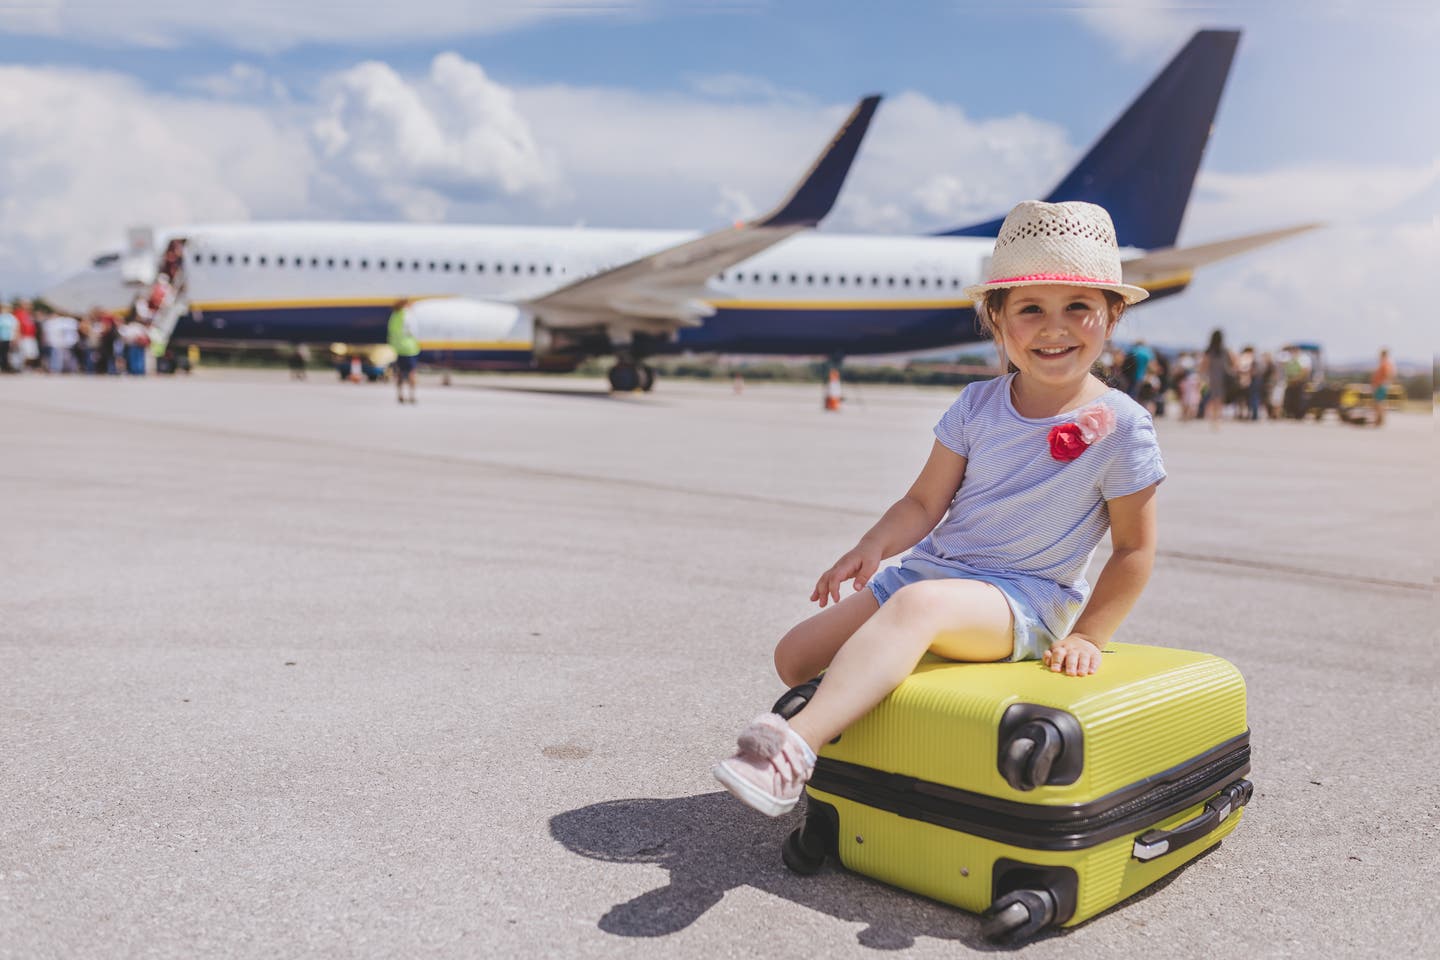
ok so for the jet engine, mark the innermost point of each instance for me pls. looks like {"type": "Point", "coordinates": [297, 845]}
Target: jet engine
{"type": "Point", "coordinates": [460, 324]}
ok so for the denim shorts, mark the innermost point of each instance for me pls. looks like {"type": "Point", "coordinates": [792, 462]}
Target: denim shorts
{"type": "Point", "coordinates": [1032, 639]}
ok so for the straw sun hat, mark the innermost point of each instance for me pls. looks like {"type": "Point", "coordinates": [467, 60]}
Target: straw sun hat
{"type": "Point", "coordinates": [1071, 243]}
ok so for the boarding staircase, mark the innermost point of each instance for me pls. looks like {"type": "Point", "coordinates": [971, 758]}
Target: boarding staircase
{"type": "Point", "coordinates": [141, 269]}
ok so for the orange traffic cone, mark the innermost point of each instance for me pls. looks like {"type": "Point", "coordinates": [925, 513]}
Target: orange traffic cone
{"type": "Point", "coordinates": [832, 391]}
{"type": "Point", "coordinates": [356, 375]}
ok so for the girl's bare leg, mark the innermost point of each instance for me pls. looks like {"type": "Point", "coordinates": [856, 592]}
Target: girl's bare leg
{"type": "Point", "coordinates": [811, 644]}
{"type": "Point", "coordinates": [962, 620]}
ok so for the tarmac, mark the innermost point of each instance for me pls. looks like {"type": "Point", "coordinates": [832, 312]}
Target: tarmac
{"type": "Point", "coordinates": [288, 669]}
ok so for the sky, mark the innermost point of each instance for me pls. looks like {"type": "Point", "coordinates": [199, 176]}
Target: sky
{"type": "Point", "coordinates": [643, 113]}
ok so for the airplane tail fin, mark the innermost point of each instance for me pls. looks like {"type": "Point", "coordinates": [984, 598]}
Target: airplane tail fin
{"type": "Point", "coordinates": [1163, 266]}
{"type": "Point", "coordinates": [1143, 169]}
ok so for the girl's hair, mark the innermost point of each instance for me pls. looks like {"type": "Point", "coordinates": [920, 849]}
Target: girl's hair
{"type": "Point", "coordinates": [993, 303]}
{"type": "Point", "coordinates": [1217, 340]}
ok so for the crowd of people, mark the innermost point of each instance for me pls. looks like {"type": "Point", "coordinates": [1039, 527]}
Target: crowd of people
{"type": "Point", "coordinates": [33, 337]}
{"type": "Point", "coordinates": [1253, 384]}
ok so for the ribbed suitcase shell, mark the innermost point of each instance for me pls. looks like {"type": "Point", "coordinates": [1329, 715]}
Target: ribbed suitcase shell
{"type": "Point", "coordinates": [1146, 711]}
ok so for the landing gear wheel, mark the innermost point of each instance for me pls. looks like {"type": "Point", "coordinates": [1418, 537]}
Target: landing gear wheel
{"type": "Point", "coordinates": [647, 377]}
{"type": "Point", "coordinates": [1017, 916]}
{"type": "Point", "coordinates": [624, 378]}
{"type": "Point", "coordinates": [802, 851]}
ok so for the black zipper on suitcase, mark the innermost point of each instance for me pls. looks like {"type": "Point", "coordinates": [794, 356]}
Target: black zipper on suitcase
{"type": "Point", "coordinates": [1037, 826]}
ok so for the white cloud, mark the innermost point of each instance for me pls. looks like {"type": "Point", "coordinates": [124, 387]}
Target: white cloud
{"type": "Point", "coordinates": [418, 142]}
{"type": "Point", "coordinates": [1256, 201]}
{"type": "Point", "coordinates": [1142, 28]}
{"type": "Point", "coordinates": [262, 25]}
{"type": "Point", "coordinates": [243, 81]}
{"type": "Point", "coordinates": [665, 160]}
{"type": "Point", "coordinates": [85, 154]}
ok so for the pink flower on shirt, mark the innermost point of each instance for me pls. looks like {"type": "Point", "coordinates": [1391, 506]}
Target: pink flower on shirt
{"type": "Point", "coordinates": [1096, 422]}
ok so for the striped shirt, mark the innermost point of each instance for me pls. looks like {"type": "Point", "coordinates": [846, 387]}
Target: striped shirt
{"type": "Point", "coordinates": [1021, 515]}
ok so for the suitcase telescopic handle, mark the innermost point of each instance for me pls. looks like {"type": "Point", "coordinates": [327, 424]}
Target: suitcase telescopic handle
{"type": "Point", "coordinates": [1157, 843]}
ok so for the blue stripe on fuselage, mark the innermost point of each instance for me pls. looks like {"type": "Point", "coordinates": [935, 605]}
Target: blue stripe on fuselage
{"type": "Point", "coordinates": [347, 323]}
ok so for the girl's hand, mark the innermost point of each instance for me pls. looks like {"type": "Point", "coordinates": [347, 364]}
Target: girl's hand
{"type": "Point", "coordinates": [1076, 655]}
{"type": "Point", "coordinates": [860, 563]}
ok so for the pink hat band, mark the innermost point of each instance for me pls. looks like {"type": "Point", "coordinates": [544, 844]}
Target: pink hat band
{"type": "Point", "coordinates": [1053, 278]}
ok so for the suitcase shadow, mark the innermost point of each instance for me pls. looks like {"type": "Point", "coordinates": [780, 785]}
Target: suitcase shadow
{"type": "Point", "coordinates": [711, 844]}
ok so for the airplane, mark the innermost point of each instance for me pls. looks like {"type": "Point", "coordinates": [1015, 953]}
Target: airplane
{"type": "Point", "coordinates": [547, 298]}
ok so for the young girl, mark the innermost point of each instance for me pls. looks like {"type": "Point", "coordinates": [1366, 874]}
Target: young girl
{"type": "Point", "coordinates": [1032, 467]}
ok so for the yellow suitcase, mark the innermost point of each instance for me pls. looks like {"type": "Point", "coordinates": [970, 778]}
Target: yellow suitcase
{"type": "Point", "coordinates": [1032, 797]}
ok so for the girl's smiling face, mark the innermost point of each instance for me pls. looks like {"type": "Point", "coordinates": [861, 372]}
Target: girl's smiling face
{"type": "Point", "coordinates": [1054, 334]}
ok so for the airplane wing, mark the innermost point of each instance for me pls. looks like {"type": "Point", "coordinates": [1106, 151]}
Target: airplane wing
{"type": "Point", "coordinates": [664, 291]}
{"type": "Point", "coordinates": [1166, 263]}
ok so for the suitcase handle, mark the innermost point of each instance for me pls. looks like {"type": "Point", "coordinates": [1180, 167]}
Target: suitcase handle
{"type": "Point", "coordinates": [1157, 843]}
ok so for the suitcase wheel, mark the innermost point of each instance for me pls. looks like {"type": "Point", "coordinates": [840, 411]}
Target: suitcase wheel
{"type": "Point", "coordinates": [803, 852]}
{"type": "Point", "coordinates": [1018, 915]}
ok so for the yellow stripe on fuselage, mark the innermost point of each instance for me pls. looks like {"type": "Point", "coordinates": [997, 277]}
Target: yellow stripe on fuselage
{"type": "Point", "coordinates": [520, 345]}
{"type": "Point", "coordinates": [294, 304]}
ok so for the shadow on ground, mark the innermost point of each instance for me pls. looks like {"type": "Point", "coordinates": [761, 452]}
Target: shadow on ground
{"type": "Point", "coordinates": [710, 844]}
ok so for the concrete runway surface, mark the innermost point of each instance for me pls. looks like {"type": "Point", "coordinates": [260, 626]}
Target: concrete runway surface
{"type": "Point", "coordinates": [287, 669]}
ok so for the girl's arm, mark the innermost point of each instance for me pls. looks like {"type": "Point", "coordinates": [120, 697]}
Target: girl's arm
{"type": "Point", "coordinates": [908, 519]}
{"type": "Point", "coordinates": [1132, 537]}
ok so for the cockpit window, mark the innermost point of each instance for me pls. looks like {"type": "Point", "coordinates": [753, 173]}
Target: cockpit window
{"type": "Point", "coordinates": [105, 259]}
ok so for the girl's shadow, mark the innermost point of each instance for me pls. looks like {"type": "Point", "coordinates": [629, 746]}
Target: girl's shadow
{"type": "Point", "coordinates": [711, 844]}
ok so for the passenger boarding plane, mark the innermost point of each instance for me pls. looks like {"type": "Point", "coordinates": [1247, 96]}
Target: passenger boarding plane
{"type": "Point", "coordinates": [547, 298]}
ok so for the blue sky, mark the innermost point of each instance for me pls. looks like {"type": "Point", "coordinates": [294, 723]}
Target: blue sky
{"type": "Point", "coordinates": [686, 115]}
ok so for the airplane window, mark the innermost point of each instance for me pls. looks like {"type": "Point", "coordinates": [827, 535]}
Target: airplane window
{"type": "Point", "coordinates": [922, 281]}
{"type": "Point", "coordinates": [859, 281]}
{"type": "Point", "coordinates": [755, 277]}
{"type": "Point", "coordinates": [299, 262]}
{"type": "Point", "coordinates": [460, 267]}
{"type": "Point", "coordinates": [415, 265]}
{"type": "Point", "coordinates": [774, 278]}
{"type": "Point", "coordinates": [314, 262]}
{"type": "Point", "coordinates": [515, 268]}
{"type": "Point", "coordinates": [840, 279]}
{"type": "Point", "coordinates": [365, 264]}
{"type": "Point", "coordinates": [261, 261]}
{"type": "Point", "coordinates": [345, 263]}
{"type": "Point", "coordinates": [245, 260]}
{"type": "Point", "coordinates": [548, 269]}
{"type": "Point", "coordinates": [381, 264]}
{"type": "Point", "coordinates": [199, 258]}
{"type": "Point", "coordinates": [890, 281]}
{"type": "Point", "coordinates": [809, 278]}
{"type": "Point", "coordinates": [794, 278]}
{"type": "Point", "coordinates": [825, 278]}
{"type": "Point", "coordinates": [214, 259]}
{"type": "Point", "coordinates": [532, 268]}
{"type": "Point", "coordinates": [279, 261]}
{"type": "Point", "coordinates": [445, 266]}
{"type": "Point", "coordinates": [874, 281]}
{"type": "Point", "coordinates": [230, 259]}
{"type": "Point", "coordinates": [906, 281]}
{"type": "Point", "coordinates": [739, 278]}
{"type": "Point", "coordinates": [479, 268]}
{"type": "Point", "coordinates": [499, 268]}
{"type": "Point", "coordinates": [330, 262]}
